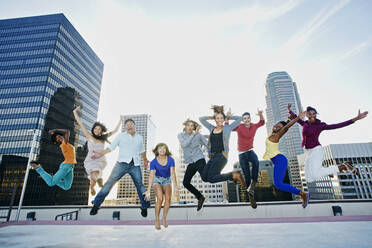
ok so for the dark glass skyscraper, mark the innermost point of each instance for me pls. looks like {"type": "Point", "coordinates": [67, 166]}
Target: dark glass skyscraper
{"type": "Point", "coordinates": [46, 69]}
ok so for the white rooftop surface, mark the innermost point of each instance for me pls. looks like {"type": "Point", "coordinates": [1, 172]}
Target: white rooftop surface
{"type": "Point", "coordinates": [288, 235]}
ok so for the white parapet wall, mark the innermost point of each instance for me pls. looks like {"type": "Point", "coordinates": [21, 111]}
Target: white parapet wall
{"type": "Point", "coordinates": [209, 212]}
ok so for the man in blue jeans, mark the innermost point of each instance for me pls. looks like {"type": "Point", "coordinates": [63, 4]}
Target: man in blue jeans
{"type": "Point", "coordinates": [130, 149]}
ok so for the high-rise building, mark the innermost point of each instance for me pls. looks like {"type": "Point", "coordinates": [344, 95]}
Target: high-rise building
{"type": "Point", "coordinates": [281, 91]}
{"type": "Point", "coordinates": [46, 70]}
{"type": "Point", "coordinates": [127, 192]}
{"type": "Point", "coordinates": [265, 190]}
{"type": "Point", "coordinates": [213, 192]}
{"type": "Point", "coordinates": [343, 185]}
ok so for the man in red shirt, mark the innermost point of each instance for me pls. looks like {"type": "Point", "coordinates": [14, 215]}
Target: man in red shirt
{"type": "Point", "coordinates": [246, 132]}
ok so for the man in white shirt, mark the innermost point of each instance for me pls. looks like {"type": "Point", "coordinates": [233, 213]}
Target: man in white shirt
{"type": "Point", "coordinates": [130, 149]}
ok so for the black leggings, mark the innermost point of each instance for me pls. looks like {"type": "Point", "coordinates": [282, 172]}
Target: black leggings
{"type": "Point", "coordinates": [212, 170]}
{"type": "Point", "coordinates": [191, 169]}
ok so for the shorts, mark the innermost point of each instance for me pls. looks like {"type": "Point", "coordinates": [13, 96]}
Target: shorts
{"type": "Point", "coordinates": [162, 180]}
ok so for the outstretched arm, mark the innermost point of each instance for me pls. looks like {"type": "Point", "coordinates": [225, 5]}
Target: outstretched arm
{"type": "Point", "coordinates": [77, 118]}
{"type": "Point", "coordinates": [346, 123]}
{"type": "Point", "coordinates": [293, 115]}
{"type": "Point", "coordinates": [116, 128]}
{"type": "Point", "coordinates": [291, 123]}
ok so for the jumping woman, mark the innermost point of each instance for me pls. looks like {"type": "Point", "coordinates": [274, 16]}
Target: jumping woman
{"type": "Point", "coordinates": [280, 161]}
{"type": "Point", "coordinates": [96, 142]}
{"type": "Point", "coordinates": [314, 151]}
{"type": "Point", "coordinates": [162, 169]}
{"type": "Point", "coordinates": [191, 141]}
{"type": "Point", "coordinates": [218, 146]}
{"type": "Point", "coordinates": [65, 174]}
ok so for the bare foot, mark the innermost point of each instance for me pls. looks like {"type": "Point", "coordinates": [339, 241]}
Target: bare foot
{"type": "Point", "coordinates": [100, 182]}
{"type": "Point", "coordinates": [164, 221]}
{"type": "Point", "coordinates": [157, 225]}
{"type": "Point", "coordinates": [305, 199]}
{"type": "Point", "coordinates": [92, 191]}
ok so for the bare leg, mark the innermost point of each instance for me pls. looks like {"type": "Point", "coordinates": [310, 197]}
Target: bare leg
{"type": "Point", "coordinates": [159, 201]}
{"type": "Point", "coordinates": [93, 181]}
{"type": "Point", "coordinates": [167, 203]}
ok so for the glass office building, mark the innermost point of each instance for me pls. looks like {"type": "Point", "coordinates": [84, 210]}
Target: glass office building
{"type": "Point", "coordinates": [46, 69]}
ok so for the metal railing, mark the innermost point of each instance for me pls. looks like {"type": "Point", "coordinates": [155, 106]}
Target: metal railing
{"type": "Point", "coordinates": [68, 216]}
{"type": "Point", "coordinates": [6, 213]}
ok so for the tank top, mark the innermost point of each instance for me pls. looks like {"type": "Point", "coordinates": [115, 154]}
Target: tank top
{"type": "Point", "coordinates": [216, 140]}
{"type": "Point", "coordinates": [272, 149]}
{"type": "Point", "coordinates": [68, 152]}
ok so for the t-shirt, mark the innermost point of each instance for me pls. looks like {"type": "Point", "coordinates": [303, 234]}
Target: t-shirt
{"type": "Point", "coordinates": [162, 170]}
{"type": "Point", "coordinates": [68, 152]}
{"type": "Point", "coordinates": [246, 135]}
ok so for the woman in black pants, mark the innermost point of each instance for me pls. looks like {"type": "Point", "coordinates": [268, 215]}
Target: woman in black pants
{"type": "Point", "coordinates": [191, 141]}
{"type": "Point", "coordinates": [218, 146]}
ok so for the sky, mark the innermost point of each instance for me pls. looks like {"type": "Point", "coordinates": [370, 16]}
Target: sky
{"type": "Point", "coordinates": [173, 59]}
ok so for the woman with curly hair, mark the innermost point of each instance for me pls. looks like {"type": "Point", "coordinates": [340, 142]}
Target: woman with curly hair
{"type": "Point", "coordinates": [191, 141]}
{"type": "Point", "coordinates": [162, 169]}
{"type": "Point", "coordinates": [218, 146]}
{"type": "Point", "coordinates": [96, 142]}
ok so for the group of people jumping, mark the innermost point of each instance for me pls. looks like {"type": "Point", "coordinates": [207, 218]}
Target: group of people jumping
{"type": "Point", "coordinates": [162, 167]}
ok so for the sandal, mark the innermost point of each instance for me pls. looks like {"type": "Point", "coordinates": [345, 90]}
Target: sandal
{"type": "Point", "coordinates": [351, 168]}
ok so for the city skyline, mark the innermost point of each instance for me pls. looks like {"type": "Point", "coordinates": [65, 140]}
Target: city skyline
{"type": "Point", "coordinates": [185, 53]}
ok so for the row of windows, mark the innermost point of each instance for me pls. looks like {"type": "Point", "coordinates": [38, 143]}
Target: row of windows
{"type": "Point", "coordinates": [74, 56]}
{"type": "Point", "coordinates": [75, 75]}
{"type": "Point", "coordinates": [24, 70]}
{"type": "Point", "coordinates": [11, 111]}
{"type": "Point", "coordinates": [88, 107]}
{"type": "Point", "coordinates": [27, 36]}
{"type": "Point", "coordinates": [15, 138]}
{"type": "Point", "coordinates": [32, 44]}
{"type": "Point", "coordinates": [82, 89]}
{"type": "Point", "coordinates": [26, 61]}
{"type": "Point", "coordinates": [79, 69]}
{"type": "Point", "coordinates": [8, 122]}
{"type": "Point", "coordinates": [21, 90]}
{"type": "Point", "coordinates": [26, 53]}
{"type": "Point", "coordinates": [39, 79]}
{"type": "Point", "coordinates": [81, 50]}
{"type": "Point", "coordinates": [21, 100]}
{"type": "Point", "coordinates": [29, 28]}
{"type": "Point", "coordinates": [23, 150]}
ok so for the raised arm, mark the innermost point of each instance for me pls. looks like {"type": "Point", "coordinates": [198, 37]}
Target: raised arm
{"type": "Point", "coordinates": [293, 115]}
{"type": "Point", "coordinates": [204, 121]}
{"type": "Point", "coordinates": [236, 121]}
{"type": "Point", "coordinates": [77, 118]}
{"type": "Point", "coordinates": [117, 127]}
{"type": "Point", "coordinates": [291, 123]}
{"type": "Point", "coordinates": [346, 123]}
{"type": "Point", "coordinates": [262, 118]}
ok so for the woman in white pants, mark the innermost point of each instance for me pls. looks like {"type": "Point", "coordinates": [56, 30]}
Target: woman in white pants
{"type": "Point", "coordinates": [314, 151]}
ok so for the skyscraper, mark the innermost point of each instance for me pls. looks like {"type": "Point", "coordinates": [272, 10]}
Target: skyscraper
{"type": "Point", "coordinates": [280, 91]}
{"type": "Point", "coordinates": [213, 192]}
{"type": "Point", "coordinates": [46, 69]}
{"type": "Point", "coordinates": [127, 192]}
{"type": "Point", "coordinates": [344, 185]}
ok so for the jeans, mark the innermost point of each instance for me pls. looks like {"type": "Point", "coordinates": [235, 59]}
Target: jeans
{"type": "Point", "coordinates": [63, 177]}
{"type": "Point", "coordinates": [244, 159]}
{"type": "Point", "coordinates": [118, 172]}
{"type": "Point", "coordinates": [212, 170]}
{"type": "Point", "coordinates": [314, 169]}
{"type": "Point", "coordinates": [191, 169]}
{"type": "Point", "coordinates": [280, 167]}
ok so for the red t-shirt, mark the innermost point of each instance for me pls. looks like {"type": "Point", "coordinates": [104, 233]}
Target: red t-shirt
{"type": "Point", "coordinates": [246, 135]}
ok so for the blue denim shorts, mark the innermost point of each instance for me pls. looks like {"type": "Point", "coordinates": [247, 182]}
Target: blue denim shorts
{"type": "Point", "coordinates": [162, 180]}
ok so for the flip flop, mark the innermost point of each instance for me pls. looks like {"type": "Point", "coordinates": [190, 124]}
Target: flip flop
{"type": "Point", "coordinates": [353, 169]}
{"type": "Point", "coordinates": [304, 205]}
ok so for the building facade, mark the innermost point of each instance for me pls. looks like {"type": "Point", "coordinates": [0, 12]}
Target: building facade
{"type": "Point", "coordinates": [126, 192]}
{"type": "Point", "coordinates": [213, 192]}
{"type": "Point", "coordinates": [281, 91]}
{"type": "Point", "coordinates": [46, 70]}
{"type": "Point", "coordinates": [343, 185]}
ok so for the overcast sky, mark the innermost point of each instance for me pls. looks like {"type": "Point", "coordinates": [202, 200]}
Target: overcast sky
{"type": "Point", "coordinates": [173, 59]}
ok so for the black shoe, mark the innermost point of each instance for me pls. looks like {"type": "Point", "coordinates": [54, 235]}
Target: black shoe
{"type": "Point", "coordinates": [144, 212]}
{"type": "Point", "coordinates": [200, 203]}
{"type": "Point", "coordinates": [34, 164]}
{"type": "Point", "coordinates": [94, 210]}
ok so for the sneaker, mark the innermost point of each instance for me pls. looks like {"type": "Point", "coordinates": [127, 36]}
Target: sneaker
{"type": "Point", "coordinates": [200, 203]}
{"type": "Point", "coordinates": [94, 210]}
{"type": "Point", "coordinates": [144, 212]}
